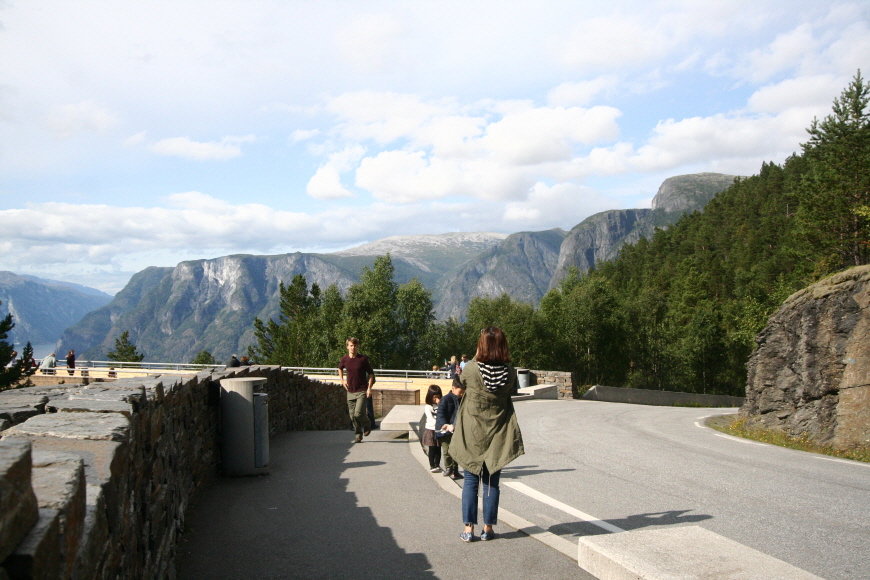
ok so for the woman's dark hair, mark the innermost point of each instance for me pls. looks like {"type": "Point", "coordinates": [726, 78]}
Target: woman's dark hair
{"type": "Point", "coordinates": [434, 391]}
{"type": "Point", "coordinates": [492, 346]}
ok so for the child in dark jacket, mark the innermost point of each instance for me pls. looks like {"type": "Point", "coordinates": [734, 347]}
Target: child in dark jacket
{"type": "Point", "coordinates": [445, 418]}
{"type": "Point", "coordinates": [433, 397]}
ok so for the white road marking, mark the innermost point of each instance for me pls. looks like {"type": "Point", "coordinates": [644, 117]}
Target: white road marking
{"type": "Point", "coordinates": [739, 440]}
{"type": "Point", "coordinates": [698, 424]}
{"type": "Point", "coordinates": [543, 498]}
{"type": "Point", "coordinates": [849, 461]}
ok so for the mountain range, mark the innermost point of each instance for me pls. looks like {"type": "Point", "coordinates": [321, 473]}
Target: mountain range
{"type": "Point", "coordinates": [42, 309]}
{"type": "Point", "coordinates": [173, 313]}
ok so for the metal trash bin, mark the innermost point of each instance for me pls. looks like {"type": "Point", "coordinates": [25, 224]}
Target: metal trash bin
{"type": "Point", "coordinates": [244, 427]}
{"type": "Point", "coordinates": [522, 378]}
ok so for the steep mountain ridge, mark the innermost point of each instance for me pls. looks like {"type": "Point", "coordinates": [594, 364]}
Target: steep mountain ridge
{"type": "Point", "coordinates": [522, 265]}
{"type": "Point", "coordinates": [173, 313]}
{"type": "Point", "coordinates": [42, 309]}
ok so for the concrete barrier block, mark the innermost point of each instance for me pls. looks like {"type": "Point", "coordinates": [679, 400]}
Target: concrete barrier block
{"type": "Point", "coordinates": [548, 391]}
{"type": "Point", "coordinates": [18, 508]}
{"type": "Point", "coordinates": [403, 418]}
{"type": "Point", "coordinates": [686, 552]}
{"type": "Point", "coordinates": [38, 557]}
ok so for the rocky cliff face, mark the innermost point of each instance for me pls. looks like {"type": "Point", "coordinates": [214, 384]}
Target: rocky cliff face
{"type": "Point", "coordinates": [522, 265]}
{"type": "Point", "coordinates": [810, 372]}
{"type": "Point", "coordinates": [690, 192]}
{"type": "Point", "coordinates": [173, 313]}
{"type": "Point", "coordinates": [42, 309]}
{"type": "Point", "coordinates": [596, 239]}
{"type": "Point", "coordinates": [599, 238]}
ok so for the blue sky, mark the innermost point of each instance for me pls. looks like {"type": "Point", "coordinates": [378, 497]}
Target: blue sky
{"type": "Point", "coordinates": [146, 133]}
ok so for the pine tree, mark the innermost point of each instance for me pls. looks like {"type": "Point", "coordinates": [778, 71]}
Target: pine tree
{"type": "Point", "coordinates": [125, 351]}
{"type": "Point", "coordinates": [836, 189]}
{"type": "Point", "coordinates": [10, 375]}
{"type": "Point", "coordinates": [203, 357]}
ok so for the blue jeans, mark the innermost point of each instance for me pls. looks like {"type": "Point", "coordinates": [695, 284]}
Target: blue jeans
{"type": "Point", "coordinates": [490, 497]}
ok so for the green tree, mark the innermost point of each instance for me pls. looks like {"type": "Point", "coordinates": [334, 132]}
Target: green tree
{"type": "Point", "coordinates": [125, 351]}
{"type": "Point", "coordinates": [370, 314]}
{"type": "Point", "coordinates": [11, 374]}
{"type": "Point", "coordinates": [203, 357]}
{"type": "Point", "coordinates": [288, 340]}
{"type": "Point", "coordinates": [837, 185]}
{"type": "Point", "coordinates": [414, 318]}
{"type": "Point", "coordinates": [328, 347]}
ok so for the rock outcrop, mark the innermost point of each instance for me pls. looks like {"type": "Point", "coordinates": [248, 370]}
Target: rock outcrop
{"type": "Point", "coordinates": [810, 373]}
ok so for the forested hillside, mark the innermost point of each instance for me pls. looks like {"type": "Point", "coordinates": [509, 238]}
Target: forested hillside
{"type": "Point", "coordinates": [680, 311]}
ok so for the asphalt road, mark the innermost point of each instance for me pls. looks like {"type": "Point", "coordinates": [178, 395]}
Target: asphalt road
{"type": "Point", "coordinates": [334, 510]}
{"type": "Point", "coordinates": [637, 466]}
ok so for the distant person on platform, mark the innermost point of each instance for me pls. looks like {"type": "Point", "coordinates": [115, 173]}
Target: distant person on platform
{"type": "Point", "coordinates": [48, 365]}
{"type": "Point", "coordinates": [358, 384]}
{"type": "Point", "coordinates": [14, 359]}
{"type": "Point", "coordinates": [233, 362]}
{"type": "Point", "coordinates": [463, 362]}
{"type": "Point", "coordinates": [71, 362]}
{"type": "Point", "coordinates": [245, 362]}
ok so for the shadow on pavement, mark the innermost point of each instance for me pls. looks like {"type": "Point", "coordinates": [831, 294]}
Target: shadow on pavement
{"type": "Point", "coordinates": [298, 522]}
{"type": "Point", "coordinates": [635, 522]}
{"type": "Point", "coordinates": [517, 471]}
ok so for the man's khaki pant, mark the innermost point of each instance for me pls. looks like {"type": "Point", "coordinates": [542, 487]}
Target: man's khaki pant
{"type": "Point", "coordinates": [356, 407]}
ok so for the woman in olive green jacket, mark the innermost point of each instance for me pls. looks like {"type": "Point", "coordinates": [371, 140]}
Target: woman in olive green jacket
{"type": "Point", "coordinates": [486, 436]}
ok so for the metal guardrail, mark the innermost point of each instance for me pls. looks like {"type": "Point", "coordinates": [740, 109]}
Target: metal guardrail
{"type": "Point", "coordinates": [117, 369]}
{"type": "Point", "coordinates": [380, 373]}
{"type": "Point", "coordinates": [157, 366]}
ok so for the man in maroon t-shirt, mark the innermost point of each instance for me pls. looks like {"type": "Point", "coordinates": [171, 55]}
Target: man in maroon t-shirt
{"type": "Point", "coordinates": [358, 384]}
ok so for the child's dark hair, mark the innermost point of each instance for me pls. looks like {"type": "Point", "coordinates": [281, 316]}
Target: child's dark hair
{"type": "Point", "coordinates": [434, 391]}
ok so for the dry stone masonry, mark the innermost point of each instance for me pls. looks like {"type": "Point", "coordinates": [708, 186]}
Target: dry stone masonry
{"type": "Point", "coordinates": [95, 479]}
{"type": "Point", "coordinates": [564, 381]}
{"type": "Point", "coordinates": [810, 373]}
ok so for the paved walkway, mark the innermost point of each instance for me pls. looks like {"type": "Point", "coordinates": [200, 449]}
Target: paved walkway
{"type": "Point", "coordinates": [333, 510]}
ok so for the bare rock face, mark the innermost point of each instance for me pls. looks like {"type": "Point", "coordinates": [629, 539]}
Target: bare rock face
{"type": "Point", "coordinates": [810, 372]}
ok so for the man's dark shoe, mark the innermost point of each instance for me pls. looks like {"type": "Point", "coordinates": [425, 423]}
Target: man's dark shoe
{"type": "Point", "coordinates": [446, 473]}
{"type": "Point", "coordinates": [367, 433]}
{"type": "Point", "coordinates": [455, 474]}
{"type": "Point", "coordinates": [358, 439]}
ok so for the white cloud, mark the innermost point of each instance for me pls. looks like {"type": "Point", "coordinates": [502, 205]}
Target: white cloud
{"type": "Point", "coordinates": [85, 117]}
{"type": "Point", "coordinates": [615, 41]}
{"type": "Point", "coordinates": [786, 52]}
{"type": "Point", "coordinates": [369, 41]}
{"type": "Point", "coordinates": [326, 184]}
{"type": "Point", "coordinates": [815, 92]}
{"type": "Point", "coordinates": [558, 204]}
{"type": "Point", "coordinates": [136, 139]}
{"type": "Point", "coordinates": [226, 148]}
{"type": "Point", "coordinates": [303, 135]}
{"type": "Point", "coordinates": [581, 93]}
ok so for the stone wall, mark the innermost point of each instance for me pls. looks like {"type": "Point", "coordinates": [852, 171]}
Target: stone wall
{"type": "Point", "coordinates": [810, 373]}
{"type": "Point", "coordinates": [563, 380]}
{"type": "Point", "coordinates": [384, 400]}
{"type": "Point", "coordinates": [95, 479]}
